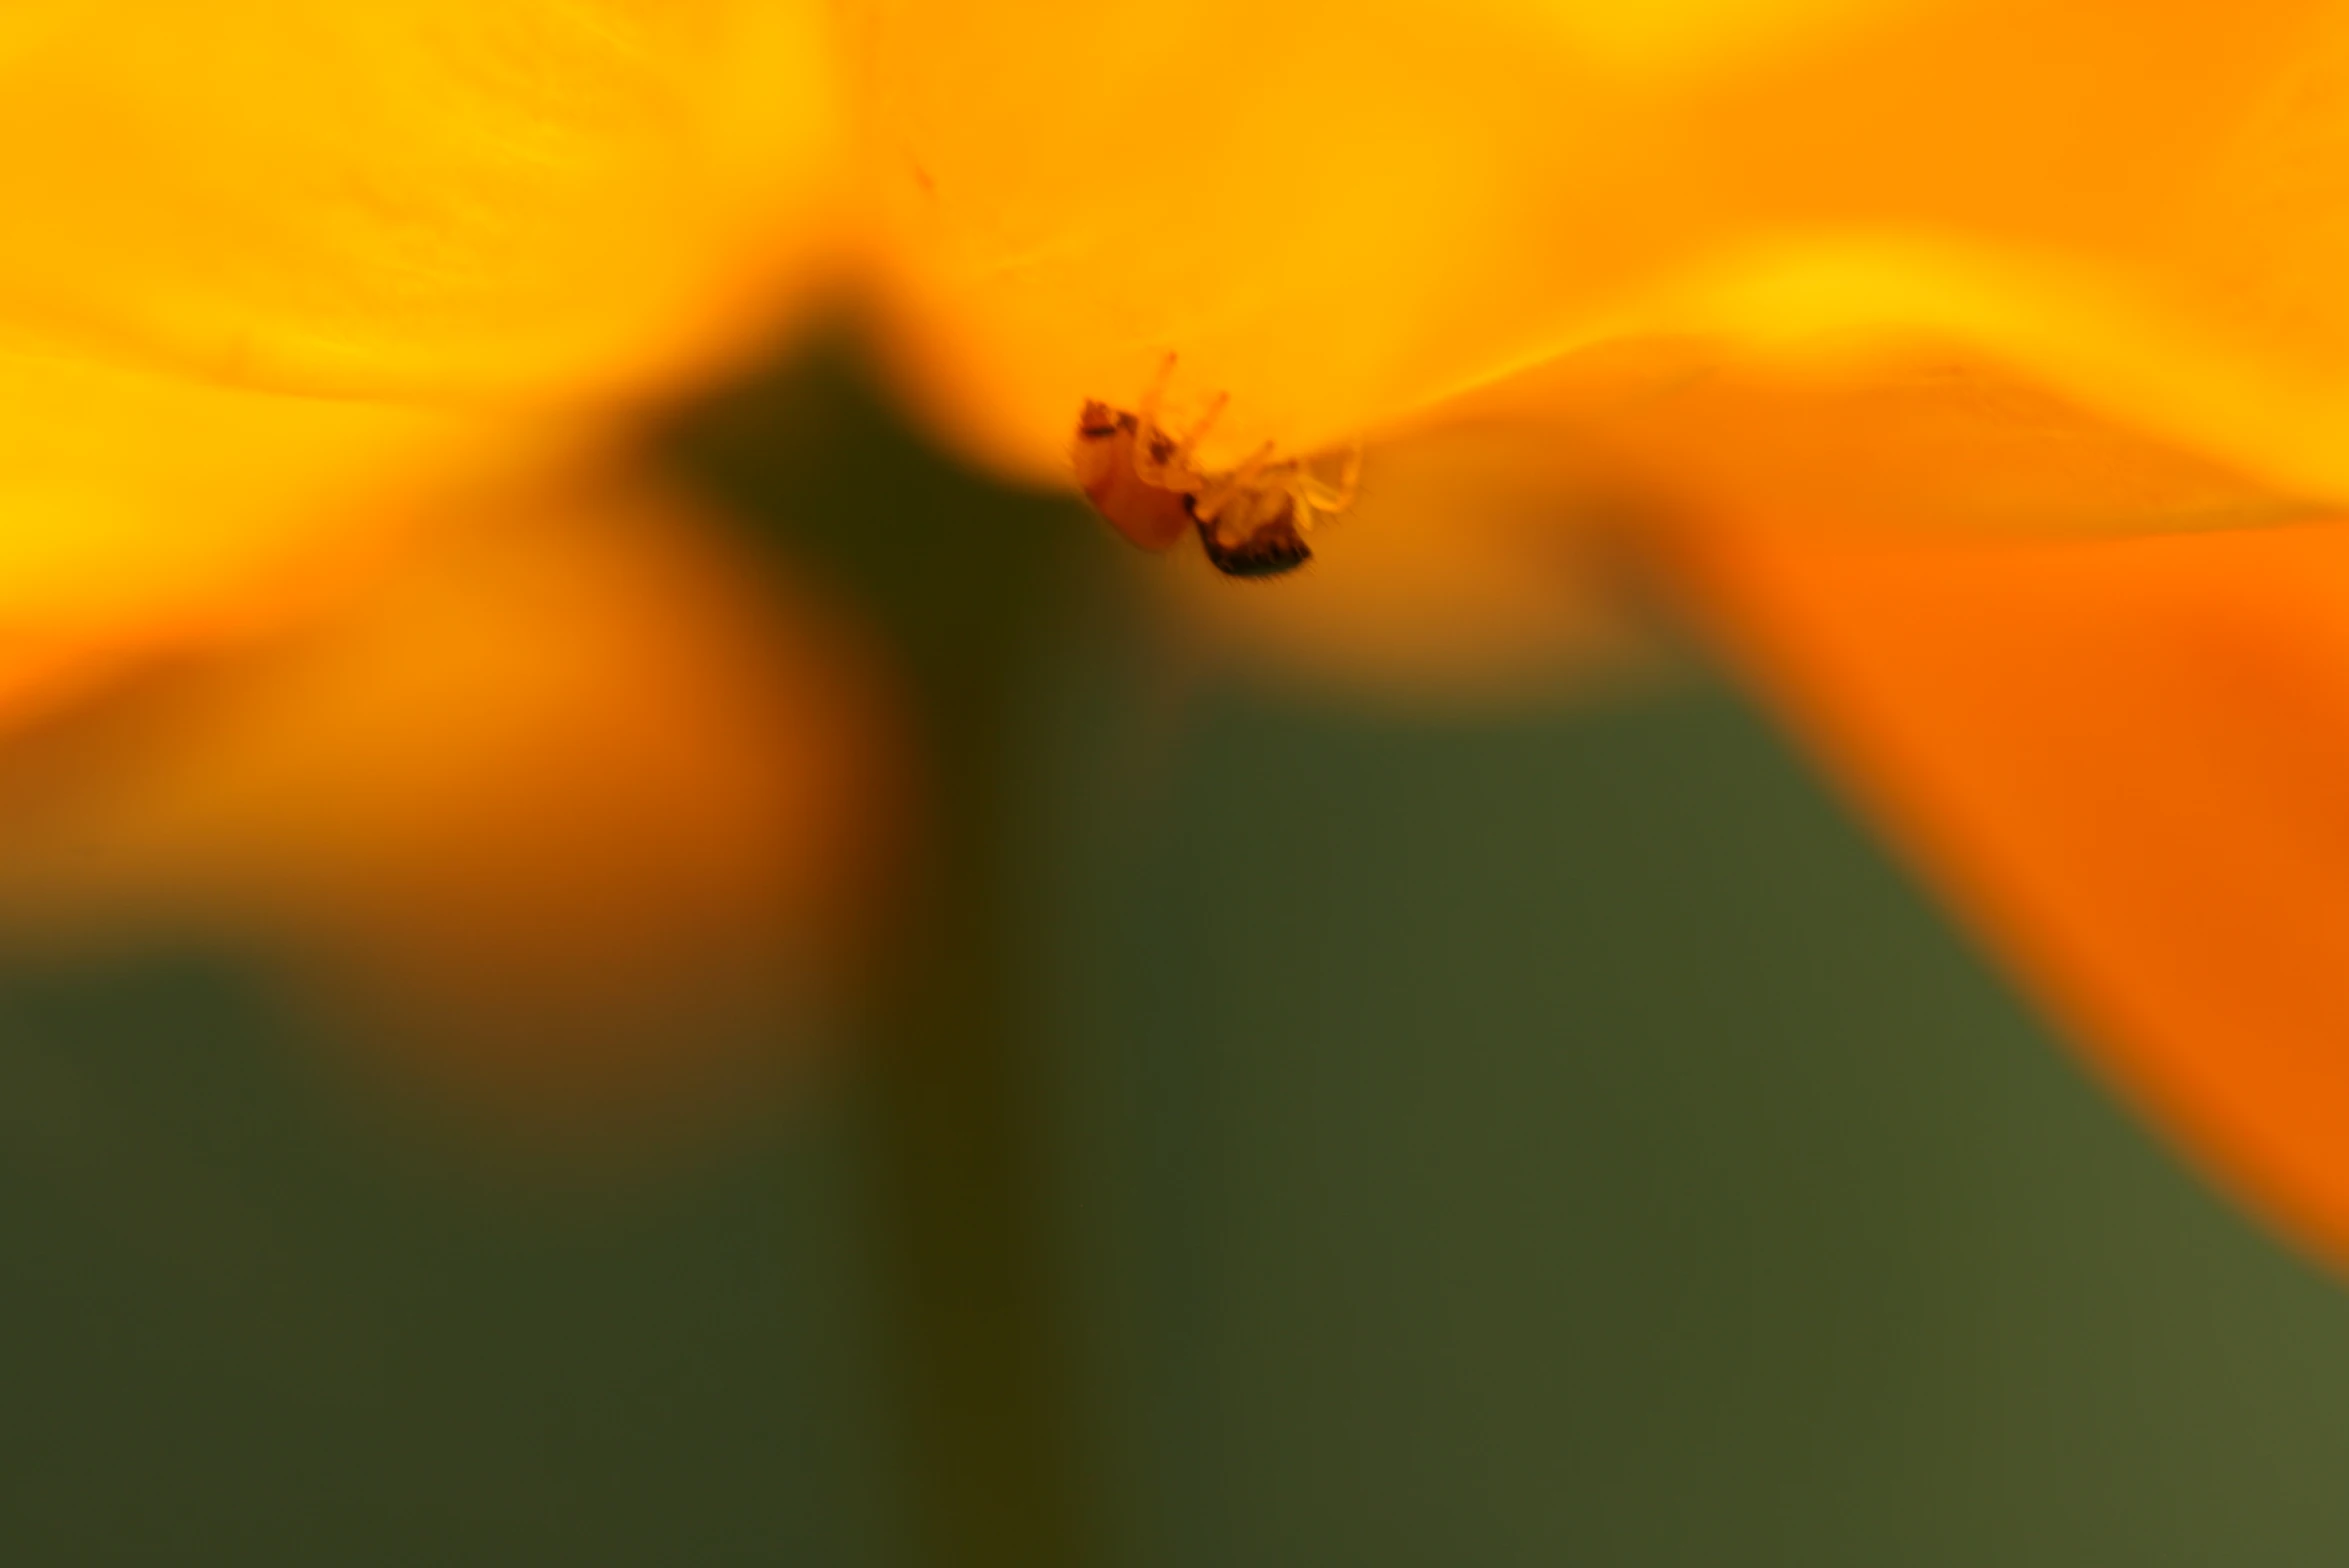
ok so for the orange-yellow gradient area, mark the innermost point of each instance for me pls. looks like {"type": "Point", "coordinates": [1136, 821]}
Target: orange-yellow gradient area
{"type": "Point", "coordinates": [537, 198]}
{"type": "Point", "coordinates": [2126, 759]}
{"type": "Point", "coordinates": [1344, 213]}
{"type": "Point", "coordinates": [1477, 567]}
{"type": "Point", "coordinates": [570, 809]}
{"type": "Point", "coordinates": [141, 512]}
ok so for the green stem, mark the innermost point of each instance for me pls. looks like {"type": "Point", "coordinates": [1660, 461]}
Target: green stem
{"type": "Point", "coordinates": [962, 578]}
{"type": "Point", "coordinates": [958, 1173]}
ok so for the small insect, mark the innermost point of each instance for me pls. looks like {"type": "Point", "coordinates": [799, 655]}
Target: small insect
{"type": "Point", "coordinates": [1251, 520]}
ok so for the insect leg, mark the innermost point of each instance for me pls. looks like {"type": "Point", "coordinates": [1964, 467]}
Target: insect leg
{"type": "Point", "coordinates": [1148, 467]}
{"type": "Point", "coordinates": [1181, 460]}
{"type": "Point", "coordinates": [1336, 499]}
{"type": "Point", "coordinates": [1304, 501]}
{"type": "Point", "coordinates": [1218, 492]}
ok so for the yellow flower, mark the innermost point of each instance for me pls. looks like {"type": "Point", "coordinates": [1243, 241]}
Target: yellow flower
{"type": "Point", "coordinates": [316, 321]}
{"type": "Point", "coordinates": [566, 806]}
{"type": "Point", "coordinates": [1889, 315]}
{"type": "Point", "coordinates": [1895, 311]}
{"type": "Point", "coordinates": [532, 199]}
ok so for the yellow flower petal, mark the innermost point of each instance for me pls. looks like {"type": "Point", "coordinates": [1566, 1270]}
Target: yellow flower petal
{"type": "Point", "coordinates": [1912, 439]}
{"type": "Point", "coordinates": [427, 196]}
{"type": "Point", "coordinates": [575, 812]}
{"type": "Point", "coordinates": [1295, 196]}
{"type": "Point", "coordinates": [1679, 38]}
{"type": "Point", "coordinates": [141, 512]}
{"type": "Point", "coordinates": [1344, 215]}
{"type": "Point", "coordinates": [2124, 760]}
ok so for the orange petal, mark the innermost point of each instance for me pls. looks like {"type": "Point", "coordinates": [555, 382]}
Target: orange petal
{"type": "Point", "coordinates": [409, 196]}
{"type": "Point", "coordinates": [1344, 214]}
{"type": "Point", "coordinates": [2125, 758]}
{"type": "Point", "coordinates": [576, 810]}
{"type": "Point", "coordinates": [141, 512]}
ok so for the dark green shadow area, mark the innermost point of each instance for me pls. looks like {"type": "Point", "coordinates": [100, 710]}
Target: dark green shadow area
{"type": "Point", "coordinates": [1568, 1141]}
{"type": "Point", "coordinates": [1548, 1139]}
{"type": "Point", "coordinates": [972, 588]}
{"type": "Point", "coordinates": [246, 1323]}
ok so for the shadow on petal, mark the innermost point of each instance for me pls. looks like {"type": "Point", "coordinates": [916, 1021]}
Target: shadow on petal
{"type": "Point", "coordinates": [578, 817]}
{"type": "Point", "coordinates": [1481, 564]}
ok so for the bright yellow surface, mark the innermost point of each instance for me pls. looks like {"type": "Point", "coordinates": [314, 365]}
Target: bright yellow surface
{"type": "Point", "coordinates": [273, 264]}
{"type": "Point", "coordinates": [141, 511]}
{"type": "Point", "coordinates": [1344, 213]}
{"type": "Point", "coordinates": [421, 197]}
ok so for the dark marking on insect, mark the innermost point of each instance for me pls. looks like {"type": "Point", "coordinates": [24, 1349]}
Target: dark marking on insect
{"type": "Point", "coordinates": [1272, 549]}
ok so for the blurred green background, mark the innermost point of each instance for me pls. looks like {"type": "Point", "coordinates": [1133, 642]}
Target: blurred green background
{"type": "Point", "coordinates": [1554, 1136]}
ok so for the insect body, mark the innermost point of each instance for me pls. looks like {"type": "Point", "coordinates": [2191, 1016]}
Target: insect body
{"type": "Point", "coordinates": [1148, 483]}
{"type": "Point", "coordinates": [1110, 469]}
